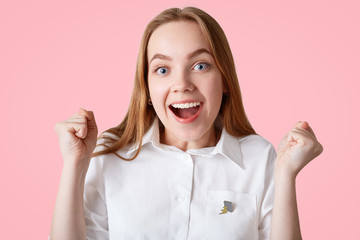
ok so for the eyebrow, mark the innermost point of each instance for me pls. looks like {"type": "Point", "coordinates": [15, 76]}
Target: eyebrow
{"type": "Point", "coordinates": [189, 56]}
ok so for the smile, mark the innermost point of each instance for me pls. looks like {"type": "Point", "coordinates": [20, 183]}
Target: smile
{"type": "Point", "coordinates": [186, 112]}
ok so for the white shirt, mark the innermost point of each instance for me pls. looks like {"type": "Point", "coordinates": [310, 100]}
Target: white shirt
{"type": "Point", "coordinates": [166, 193]}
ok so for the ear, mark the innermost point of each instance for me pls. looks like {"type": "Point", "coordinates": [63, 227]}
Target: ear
{"type": "Point", "coordinates": [225, 89]}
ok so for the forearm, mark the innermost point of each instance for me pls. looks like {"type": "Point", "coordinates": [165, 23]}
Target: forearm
{"type": "Point", "coordinates": [285, 220]}
{"type": "Point", "coordinates": [68, 218]}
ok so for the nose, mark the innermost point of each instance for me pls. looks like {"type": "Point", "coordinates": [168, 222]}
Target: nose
{"type": "Point", "coordinates": [182, 82]}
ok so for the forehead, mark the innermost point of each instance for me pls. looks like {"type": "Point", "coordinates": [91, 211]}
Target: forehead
{"type": "Point", "coordinates": [177, 38]}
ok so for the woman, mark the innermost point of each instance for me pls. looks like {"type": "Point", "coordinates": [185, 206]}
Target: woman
{"type": "Point", "coordinates": [185, 162]}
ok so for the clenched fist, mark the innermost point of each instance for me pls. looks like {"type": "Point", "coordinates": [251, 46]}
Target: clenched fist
{"type": "Point", "coordinates": [297, 149]}
{"type": "Point", "coordinates": [77, 138]}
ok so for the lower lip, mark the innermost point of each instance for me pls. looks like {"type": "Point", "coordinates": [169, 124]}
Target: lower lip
{"type": "Point", "coordinates": [190, 119]}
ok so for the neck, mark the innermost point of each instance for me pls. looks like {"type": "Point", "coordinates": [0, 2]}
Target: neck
{"type": "Point", "coordinates": [209, 139]}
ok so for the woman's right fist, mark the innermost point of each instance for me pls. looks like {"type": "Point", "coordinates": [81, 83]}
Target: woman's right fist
{"type": "Point", "coordinates": [77, 138]}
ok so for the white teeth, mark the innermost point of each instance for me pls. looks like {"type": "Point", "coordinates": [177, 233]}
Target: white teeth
{"type": "Point", "coordinates": [185, 105]}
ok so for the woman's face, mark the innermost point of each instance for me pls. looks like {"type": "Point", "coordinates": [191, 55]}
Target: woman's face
{"type": "Point", "coordinates": [185, 84]}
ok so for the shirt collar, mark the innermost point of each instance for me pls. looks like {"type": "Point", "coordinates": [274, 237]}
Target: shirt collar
{"type": "Point", "coordinates": [228, 145]}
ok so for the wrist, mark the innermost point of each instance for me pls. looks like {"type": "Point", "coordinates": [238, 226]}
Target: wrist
{"type": "Point", "coordinates": [77, 169]}
{"type": "Point", "coordinates": [283, 172]}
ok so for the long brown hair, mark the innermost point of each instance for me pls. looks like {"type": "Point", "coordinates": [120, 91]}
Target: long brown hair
{"type": "Point", "coordinates": [140, 114]}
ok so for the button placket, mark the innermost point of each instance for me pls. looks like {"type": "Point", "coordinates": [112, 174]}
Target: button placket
{"type": "Point", "coordinates": [184, 157]}
{"type": "Point", "coordinates": [182, 196]}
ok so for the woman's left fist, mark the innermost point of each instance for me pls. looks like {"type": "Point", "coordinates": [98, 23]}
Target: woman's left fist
{"type": "Point", "coordinates": [297, 149]}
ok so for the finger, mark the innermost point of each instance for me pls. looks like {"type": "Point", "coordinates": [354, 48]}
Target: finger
{"type": "Point", "coordinates": [283, 141]}
{"type": "Point", "coordinates": [77, 119]}
{"type": "Point", "coordinates": [312, 132]}
{"type": "Point", "coordinates": [310, 141]}
{"type": "Point", "coordinates": [301, 130]}
{"type": "Point", "coordinates": [91, 123]}
{"type": "Point", "coordinates": [302, 125]}
{"type": "Point", "coordinates": [302, 133]}
{"type": "Point", "coordinates": [82, 112]}
{"type": "Point", "coordinates": [78, 129]}
{"type": "Point", "coordinates": [90, 118]}
{"type": "Point", "coordinates": [305, 125]}
{"type": "Point", "coordinates": [295, 138]}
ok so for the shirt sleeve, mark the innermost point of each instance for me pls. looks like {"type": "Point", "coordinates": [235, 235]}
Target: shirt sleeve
{"type": "Point", "coordinates": [96, 216]}
{"type": "Point", "coordinates": [268, 197]}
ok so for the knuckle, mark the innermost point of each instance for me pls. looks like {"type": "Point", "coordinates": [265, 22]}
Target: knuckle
{"type": "Point", "coordinates": [83, 119]}
{"type": "Point", "coordinates": [76, 115]}
{"type": "Point", "coordinates": [310, 142]}
{"type": "Point", "coordinates": [320, 148]}
{"type": "Point", "coordinates": [58, 126]}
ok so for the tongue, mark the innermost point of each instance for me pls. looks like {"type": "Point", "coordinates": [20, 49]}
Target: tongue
{"type": "Point", "coordinates": [187, 112]}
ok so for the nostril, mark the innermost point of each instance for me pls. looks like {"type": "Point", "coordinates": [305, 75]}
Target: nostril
{"type": "Point", "coordinates": [183, 86]}
{"type": "Point", "coordinates": [182, 90]}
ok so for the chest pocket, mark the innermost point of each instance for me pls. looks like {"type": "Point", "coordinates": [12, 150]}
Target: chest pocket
{"type": "Point", "coordinates": [240, 224]}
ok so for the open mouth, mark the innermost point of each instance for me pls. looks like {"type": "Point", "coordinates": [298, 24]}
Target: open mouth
{"type": "Point", "coordinates": [185, 110]}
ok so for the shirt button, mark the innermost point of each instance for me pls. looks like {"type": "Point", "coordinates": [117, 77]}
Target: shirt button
{"type": "Point", "coordinates": [185, 157]}
{"type": "Point", "coordinates": [181, 198]}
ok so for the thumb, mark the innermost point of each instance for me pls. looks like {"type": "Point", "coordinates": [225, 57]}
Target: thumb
{"type": "Point", "coordinates": [302, 125]}
{"type": "Point", "coordinates": [91, 123]}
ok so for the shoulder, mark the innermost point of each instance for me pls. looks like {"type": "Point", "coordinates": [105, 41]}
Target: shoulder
{"type": "Point", "coordinates": [256, 149]}
{"type": "Point", "coordinates": [254, 141]}
{"type": "Point", "coordinates": [105, 140]}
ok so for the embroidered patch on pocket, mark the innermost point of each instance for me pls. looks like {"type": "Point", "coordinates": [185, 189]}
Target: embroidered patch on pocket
{"type": "Point", "coordinates": [230, 215]}
{"type": "Point", "coordinates": [228, 207]}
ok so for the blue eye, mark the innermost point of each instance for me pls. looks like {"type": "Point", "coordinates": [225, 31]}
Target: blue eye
{"type": "Point", "coordinates": [201, 66]}
{"type": "Point", "coordinates": [161, 70]}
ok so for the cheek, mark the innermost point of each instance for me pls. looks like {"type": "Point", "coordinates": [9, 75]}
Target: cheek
{"type": "Point", "coordinates": [215, 90]}
{"type": "Point", "coordinates": [158, 94]}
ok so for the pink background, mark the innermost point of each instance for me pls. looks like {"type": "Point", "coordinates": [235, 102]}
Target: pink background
{"type": "Point", "coordinates": [296, 60]}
